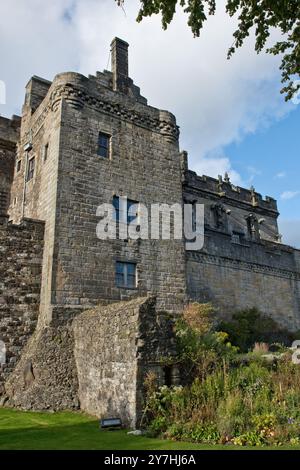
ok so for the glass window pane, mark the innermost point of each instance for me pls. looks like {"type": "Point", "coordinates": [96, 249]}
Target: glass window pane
{"type": "Point", "coordinates": [103, 145]}
{"type": "Point", "coordinates": [120, 268]}
{"type": "Point", "coordinates": [103, 152]}
{"type": "Point", "coordinates": [130, 268]}
{"type": "Point", "coordinates": [120, 280]}
{"type": "Point", "coordinates": [131, 217]}
{"type": "Point", "coordinates": [116, 202]}
{"type": "Point", "coordinates": [103, 140]}
{"type": "Point", "coordinates": [131, 281]}
{"type": "Point", "coordinates": [125, 274]}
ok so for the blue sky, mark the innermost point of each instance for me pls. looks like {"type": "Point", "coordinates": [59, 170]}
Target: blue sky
{"type": "Point", "coordinates": [231, 114]}
{"type": "Point", "coordinates": [270, 160]}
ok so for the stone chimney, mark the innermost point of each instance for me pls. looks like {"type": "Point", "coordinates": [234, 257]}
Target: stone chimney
{"type": "Point", "coordinates": [119, 65]}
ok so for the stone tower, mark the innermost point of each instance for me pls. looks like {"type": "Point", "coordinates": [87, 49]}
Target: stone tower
{"type": "Point", "coordinates": [83, 142]}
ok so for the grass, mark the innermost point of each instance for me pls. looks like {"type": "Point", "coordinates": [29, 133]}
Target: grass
{"type": "Point", "coordinates": [21, 430]}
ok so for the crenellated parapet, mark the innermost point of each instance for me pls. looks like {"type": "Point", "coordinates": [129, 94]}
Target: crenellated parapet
{"type": "Point", "coordinates": [223, 189]}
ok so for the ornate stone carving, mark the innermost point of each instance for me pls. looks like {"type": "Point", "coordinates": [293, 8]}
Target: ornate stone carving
{"type": "Point", "coordinates": [77, 98]}
{"type": "Point", "coordinates": [219, 213]}
{"type": "Point", "coordinates": [253, 227]}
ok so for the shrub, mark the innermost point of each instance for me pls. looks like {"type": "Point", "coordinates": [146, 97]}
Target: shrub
{"type": "Point", "coordinates": [232, 415]}
{"type": "Point", "coordinates": [229, 398]}
{"type": "Point", "coordinates": [199, 317]}
{"type": "Point", "coordinates": [200, 348]}
{"type": "Point", "coordinates": [250, 438]}
{"type": "Point", "coordinates": [249, 326]}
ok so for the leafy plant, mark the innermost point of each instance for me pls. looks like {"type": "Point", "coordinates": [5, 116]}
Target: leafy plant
{"type": "Point", "coordinates": [249, 326]}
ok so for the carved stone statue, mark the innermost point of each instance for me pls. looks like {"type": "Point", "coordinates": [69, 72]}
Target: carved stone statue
{"type": "Point", "coordinates": [253, 227]}
{"type": "Point", "coordinates": [219, 215]}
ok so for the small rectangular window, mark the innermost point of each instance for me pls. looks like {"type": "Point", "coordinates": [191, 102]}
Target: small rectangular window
{"type": "Point", "coordinates": [30, 169]}
{"type": "Point", "coordinates": [237, 237]}
{"type": "Point", "coordinates": [45, 152]}
{"type": "Point", "coordinates": [103, 145]}
{"type": "Point", "coordinates": [124, 213]}
{"type": "Point", "coordinates": [126, 275]}
{"type": "Point", "coordinates": [18, 165]}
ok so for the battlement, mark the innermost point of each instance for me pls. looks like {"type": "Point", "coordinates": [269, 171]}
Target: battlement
{"type": "Point", "coordinates": [36, 90]}
{"type": "Point", "coordinates": [9, 135]}
{"type": "Point", "coordinates": [223, 188]}
{"type": "Point", "coordinates": [109, 92]}
{"type": "Point", "coordinates": [9, 130]}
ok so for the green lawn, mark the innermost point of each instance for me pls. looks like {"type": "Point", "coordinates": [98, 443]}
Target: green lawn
{"type": "Point", "coordinates": [66, 430]}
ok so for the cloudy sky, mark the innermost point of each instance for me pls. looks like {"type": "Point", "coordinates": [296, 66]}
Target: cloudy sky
{"type": "Point", "coordinates": [231, 114]}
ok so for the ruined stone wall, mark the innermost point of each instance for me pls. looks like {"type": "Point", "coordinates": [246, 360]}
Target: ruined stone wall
{"type": "Point", "coordinates": [96, 360]}
{"type": "Point", "coordinates": [45, 378]}
{"type": "Point", "coordinates": [21, 250]}
{"type": "Point", "coordinates": [232, 276]}
{"type": "Point", "coordinates": [115, 346]}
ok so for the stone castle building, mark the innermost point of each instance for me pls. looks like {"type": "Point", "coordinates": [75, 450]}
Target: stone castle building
{"type": "Point", "coordinates": [82, 318]}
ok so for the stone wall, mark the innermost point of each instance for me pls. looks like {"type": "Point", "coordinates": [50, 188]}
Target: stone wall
{"type": "Point", "coordinates": [45, 378]}
{"type": "Point", "coordinates": [227, 207]}
{"type": "Point", "coordinates": [237, 276]}
{"type": "Point", "coordinates": [115, 346]}
{"type": "Point", "coordinates": [9, 133]}
{"type": "Point", "coordinates": [21, 250]}
{"type": "Point", "coordinates": [96, 360]}
{"type": "Point", "coordinates": [37, 197]}
{"type": "Point", "coordinates": [144, 165]}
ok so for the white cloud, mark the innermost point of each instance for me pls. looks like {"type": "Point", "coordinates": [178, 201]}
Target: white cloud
{"type": "Point", "coordinates": [280, 175]}
{"type": "Point", "coordinates": [217, 166]}
{"type": "Point", "coordinates": [287, 195]}
{"type": "Point", "coordinates": [291, 230]}
{"type": "Point", "coordinates": [216, 101]}
{"type": "Point", "coordinates": [34, 40]}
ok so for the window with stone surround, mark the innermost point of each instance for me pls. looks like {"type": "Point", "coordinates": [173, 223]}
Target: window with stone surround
{"type": "Point", "coordinates": [126, 274]}
{"type": "Point", "coordinates": [18, 165]}
{"type": "Point", "coordinates": [30, 169]}
{"type": "Point", "coordinates": [123, 213]}
{"type": "Point", "coordinates": [103, 145]}
{"type": "Point", "coordinates": [45, 152]}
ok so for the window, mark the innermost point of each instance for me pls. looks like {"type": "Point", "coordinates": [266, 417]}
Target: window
{"type": "Point", "coordinates": [122, 213]}
{"type": "Point", "coordinates": [125, 275]}
{"type": "Point", "coordinates": [30, 169]}
{"type": "Point", "coordinates": [18, 165]}
{"type": "Point", "coordinates": [103, 145]}
{"type": "Point", "coordinates": [237, 237]}
{"type": "Point", "coordinates": [45, 152]}
{"type": "Point", "coordinates": [167, 371]}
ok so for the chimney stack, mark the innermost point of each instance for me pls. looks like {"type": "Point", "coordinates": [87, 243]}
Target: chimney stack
{"type": "Point", "coordinates": [119, 65]}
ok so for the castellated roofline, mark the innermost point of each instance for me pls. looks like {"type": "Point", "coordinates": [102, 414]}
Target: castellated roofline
{"type": "Point", "coordinates": [10, 129]}
{"type": "Point", "coordinates": [97, 92]}
{"type": "Point", "coordinates": [223, 188]}
{"type": "Point", "coordinates": [113, 92]}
